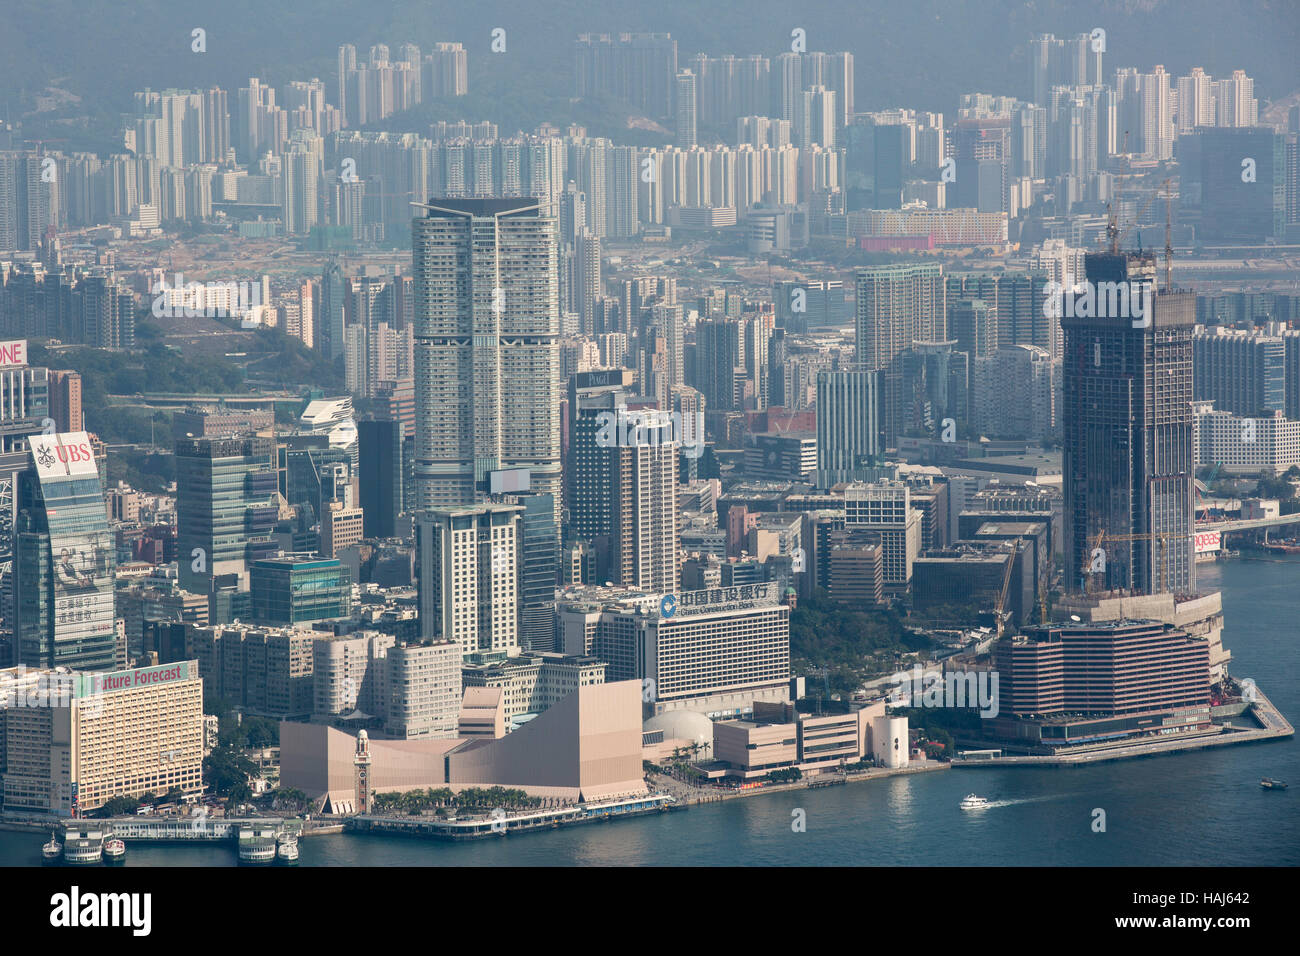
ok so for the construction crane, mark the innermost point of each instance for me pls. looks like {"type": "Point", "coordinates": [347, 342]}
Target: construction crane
{"type": "Point", "coordinates": [1146, 204]}
{"type": "Point", "coordinates": [1112, 210]}
{"type": "Point", "coordinates": [999, 616]}
{"type": "Point", "coordinates": [1042, 598]}
{"type": "Point", "coordinates": [1169, 246]}
{"type": "Point", "coordinates": [1164, 537]}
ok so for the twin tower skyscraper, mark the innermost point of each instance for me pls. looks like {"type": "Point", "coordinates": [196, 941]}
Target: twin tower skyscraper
{"type": "Point", "coordinates": [487, 359]}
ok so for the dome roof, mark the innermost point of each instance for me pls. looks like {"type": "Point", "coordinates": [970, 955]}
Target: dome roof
{"type": "Point", "coordinates": [682, 725]}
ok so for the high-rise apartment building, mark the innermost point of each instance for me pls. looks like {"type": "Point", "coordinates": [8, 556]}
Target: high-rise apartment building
{"type": "Point", "coordinates": [638, 68]}
{"type": "Point", "coordinates": [896, 306]}
{"type": "Point", "coordinates": [469, 577]}
{"type": "Point", "coordinates": [487, 327]}
{"type": "Point", "coordinates": [686, 110]}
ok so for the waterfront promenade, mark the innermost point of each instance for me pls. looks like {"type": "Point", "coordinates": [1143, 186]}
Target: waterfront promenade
{"type": "Point", "coordinates": [1273, 726]}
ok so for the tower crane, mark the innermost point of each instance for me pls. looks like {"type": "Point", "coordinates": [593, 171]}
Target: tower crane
{"type": "Point", "coordinates": [1164, 537]}
{"type": "Point", "coordinates": [1112, 210]}
{"type": "Point", "coordinates": [1146, 204]}
{"type": "Point", "coordinates": [999, 615]}
{"type": "Point", "coordinates": [1169, 246]}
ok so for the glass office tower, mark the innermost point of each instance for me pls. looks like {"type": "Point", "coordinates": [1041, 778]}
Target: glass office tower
{"type": "Point", "coordinates": [63, 559]}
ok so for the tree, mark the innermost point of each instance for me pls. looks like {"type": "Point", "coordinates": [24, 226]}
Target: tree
{"type": "Point", "coordinates": [119, 806]}
{"type": "Point", "coordinates": [227, 768]}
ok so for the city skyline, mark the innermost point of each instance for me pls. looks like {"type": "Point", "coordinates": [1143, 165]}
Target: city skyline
{"type": "Point", "coordinates": [485, 421]}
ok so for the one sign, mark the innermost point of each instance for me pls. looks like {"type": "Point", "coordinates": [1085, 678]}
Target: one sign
{"type": "Point", "coordinates": [1208, 541]}
{"type": "Point", "coordinates": [68, 455]}
{"type": "Point", "coordinates": [13, 353]}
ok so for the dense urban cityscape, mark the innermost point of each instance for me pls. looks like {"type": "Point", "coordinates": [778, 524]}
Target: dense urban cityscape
{"type": "Point", "coordinates": [407, 446]}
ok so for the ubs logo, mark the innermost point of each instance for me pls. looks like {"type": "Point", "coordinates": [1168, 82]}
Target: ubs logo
{"type": "Point", "coordinates": [44, 456]}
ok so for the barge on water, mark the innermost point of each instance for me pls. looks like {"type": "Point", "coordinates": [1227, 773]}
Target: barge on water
{"type": "Point", "coordinates": [482, 827]}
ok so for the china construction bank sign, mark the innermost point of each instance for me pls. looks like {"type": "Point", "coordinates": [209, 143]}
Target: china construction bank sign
{"type": "Point", "coordinates": [92, 685]}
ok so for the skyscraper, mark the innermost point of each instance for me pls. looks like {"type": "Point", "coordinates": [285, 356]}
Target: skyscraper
{"type": "Point", "coordinates": [848, 424]}
{"type": "Point", "coordinates": [898, 305]}
{"type": "Point", "coordinates": [333, 292]}
{"type": "Point", "coordinates": [1242, 202]}
{"type": "Point", "coordinates": [380, 454]}
{"type": "Point", "coordinates": [637, 68]}
{"type": "Point", "coordinates": [469, 577]}
{"type": "Point", "coordinates": [644, 505]}
{"type": "Point", "coordinates": [487, 326]}
{"type": "Point", "coordinates": [63, 559]}
{"type": "Point", "coordinates": [1129, 460]}
{"type": "Point", "coordinates": [816, 119]}
{"type": "Point", "coordinates": [539, 573]}
{"type": "Point", "coordinates": [686, 110]}
{"type": "Point", "coordinates": [226, 492]}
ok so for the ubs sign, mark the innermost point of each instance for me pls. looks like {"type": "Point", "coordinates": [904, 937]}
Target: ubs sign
{"type": "Point", "coordinates": [62, 456]}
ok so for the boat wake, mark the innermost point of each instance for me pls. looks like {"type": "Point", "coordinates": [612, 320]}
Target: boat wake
{"type": "Point", "coordinates": [992, 804]}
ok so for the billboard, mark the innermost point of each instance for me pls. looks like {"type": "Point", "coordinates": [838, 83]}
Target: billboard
{"type": "Point", "coordinates": [60, 456]}
{"type": "Point", "coordinates": [509, 481]}
{"type": "Point", "coordinates": [13, 354]}
{"type": "Point", "coordinates": [1208, 541]}
{"type": "Point", "coordinates": [89, 685]}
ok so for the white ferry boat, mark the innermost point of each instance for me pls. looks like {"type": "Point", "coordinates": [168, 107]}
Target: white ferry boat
{"type": "Point", "coordinates": [286, 854]}
{"type": "Point", "coordinates": [973, 802]}
{"type": "Point", "coordinates": [52, 852]}
{"type": "Point", "coordinates": [114, 851]}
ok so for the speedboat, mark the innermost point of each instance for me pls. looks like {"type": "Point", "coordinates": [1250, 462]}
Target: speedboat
{"type": "Point", "coordinates": [973, 802]}
{"type": "Point", "coordinates": [1268, 783]}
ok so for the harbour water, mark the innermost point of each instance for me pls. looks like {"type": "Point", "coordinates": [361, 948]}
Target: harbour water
{"type": "Point", "coordinates": [1198, 808]}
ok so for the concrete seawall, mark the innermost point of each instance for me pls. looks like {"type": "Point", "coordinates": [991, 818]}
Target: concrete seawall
{"type": "Point", "coordinates": [1273, 726]}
